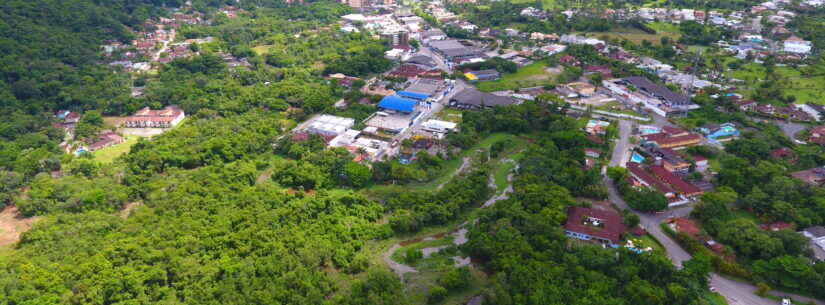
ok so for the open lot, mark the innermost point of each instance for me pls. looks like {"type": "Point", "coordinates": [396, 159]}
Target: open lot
{"type": "Point", "coordinates": [532, 75]}
{"type": "Point", "coordinates": [805, 89]}
{"type": "Point", "coordinates": [108, 154]}
{"type": "Point", "coordinates": [636, 36]}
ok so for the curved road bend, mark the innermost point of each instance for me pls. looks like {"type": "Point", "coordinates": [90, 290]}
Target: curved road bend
{"type": "Point", "coordinates": [737, 293]}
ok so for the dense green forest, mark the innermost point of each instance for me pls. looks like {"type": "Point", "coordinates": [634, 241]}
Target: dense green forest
{"type": "Point", "coordinates": [752, 182]}
{"type": "Point", "coordinates": [228, 208]}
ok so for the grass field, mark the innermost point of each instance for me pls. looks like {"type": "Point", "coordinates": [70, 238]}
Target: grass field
{"type": "Point", "coordinates": [712, 298]}
{"type": "Point", "coordinates": [532, 75]}
{"type": "Point", "coordinates": [546, 4]}
{"type": "Point", "coordinates": [805, 89]}
{"type": "Point", "coordinates": [664, 27]}
{"type": "Point", "coordinates": [108, 154]}
{"type": "Point", "coordinates": [637, 36]}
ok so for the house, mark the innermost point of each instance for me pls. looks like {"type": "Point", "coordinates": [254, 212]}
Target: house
{"type": "Point", "coordinates": [576, 89]}
{"type": "Point", "coordinates": [482, 75]}
{"type": "Point", "coordinates": [148, 118]}
{"type": "Point", "coordinates": [817, 135]}
{"type": "Point", "coordinates": [569, 60]}
{"type": "Point", "coordinates": [746, 105]}
{"type": "Point", "coordinates": [817, 236]}
{"type": "Point", "coordinates": [814, 176]}
{"type": "Point", "coordinates": [671, 137]}
{"type": "Point", "coordinates": [596, 127]}
{"type": "Point", "coordinates": [719, 132]}
{"type": "Point", "coordinates": [470, 98]}
{"type": "Point", "coordinates": [815, 111]}
{"type": "Point", "coordinates": [682, 186]}
{"type": "Point", "coordinates": [783, 153]}
{"type": "Point", "coordinates": [670, 159]}
{"type": "Point", "coordinates": [592, 153]}
{"type": "Point", "coordinates": [605, 71]}
{"type": "Point", "coordinates": [646, 179]}
{"type": "Point", "coordinates": [592, 224]}
{"type": "Point", "coordinates": [105, 139]}
{"type": "Point", "coordinates": [797, 45]}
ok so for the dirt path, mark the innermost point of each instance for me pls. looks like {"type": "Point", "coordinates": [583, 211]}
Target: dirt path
{"type": "Point", "coordinates": [459, 235]}
{"type": "Point", "coordinates": [127, 209]}
{"type": "Point", "coordinates": [465, 163]}
{"type": "Point", "coordinates": [12, 224]}
{"type": "Point", "coordinates": [399, 268]}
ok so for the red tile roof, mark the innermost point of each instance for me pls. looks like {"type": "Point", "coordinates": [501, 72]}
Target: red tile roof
{"type": "Point", "coordinates": [686, 226]}
{"type": "Point", "coordinates": [670, 178]}
{"type": "Point", "coordinates": [611, 223]}
{"type": "Point", "coordinates": [647, 178]}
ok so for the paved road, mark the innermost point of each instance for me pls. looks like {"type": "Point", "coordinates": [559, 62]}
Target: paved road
{"type": "Point", "coordinates": [622, 146]}
{"type": "Point", "coordinates": [737, 293]}
{"type": "Point", "coordinates": [790, 129]}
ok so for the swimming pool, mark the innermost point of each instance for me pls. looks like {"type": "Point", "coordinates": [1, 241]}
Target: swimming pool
{"type": "Point", "coordinates": [636, 157]}
{"type": "Point", "coordinates": [648, 129]}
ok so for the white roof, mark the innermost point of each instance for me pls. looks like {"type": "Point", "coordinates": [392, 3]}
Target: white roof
{"type": "Point", "coordinates": [440, 124]}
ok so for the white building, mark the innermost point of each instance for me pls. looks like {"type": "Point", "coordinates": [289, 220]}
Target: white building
{"type": "Point", "coordinates": [439, 126]}
{"type": "Point", "coordinates": [329, 125]}
{"type": "Point", "coordinates": [797, 45]}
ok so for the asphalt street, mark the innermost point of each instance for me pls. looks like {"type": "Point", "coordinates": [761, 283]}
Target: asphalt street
{"type": "Point", "coordinates": [737, 293]}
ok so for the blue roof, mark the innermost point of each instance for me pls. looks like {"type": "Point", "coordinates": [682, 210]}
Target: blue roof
{"type": "Point", "coordinates": [411, 94]}
{"type": "Point", "coordinates": [397, 103]}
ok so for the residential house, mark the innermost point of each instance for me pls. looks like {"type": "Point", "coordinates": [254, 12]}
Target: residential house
{"type": "Point", "coordinates": [783, 153]}
{"type": "Point", "coordinates": [671, 137]}
{"type": "Point", "coordinates": [817, 135]}
{"type": "Point", "coordinates": [592, 153]}
{"type": "Point", "coordinates": [105, 139]}
{"type": "Point", "coordinates": [646, 179]}
{"type": "Point", "coordinates": [569, 60]}
{"type": "Point", "coordinates": [669, 159]}
{"type": "Point", "coordinates": [148, 118]}
{"type": "Point", "coordinates": [605, 71]}
{"type": "Point", "coordinates": [797, 45]}
{"type": "Point", "coordinates": [817, 236]}
{"type": "Point", "coordinates": [682, 186]}
{"type": "Point", "coordinates": [593, 224]}
{"type": "Point", "coordinates": [814, 176]}
{"type": "Point", "coordinates": [719, 132]}
{"type": "Point", "coordinates": [746, 105]}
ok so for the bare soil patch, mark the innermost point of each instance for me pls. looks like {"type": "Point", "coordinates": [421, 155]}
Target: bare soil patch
{"type": "Point", "coordinates": [12, 224]}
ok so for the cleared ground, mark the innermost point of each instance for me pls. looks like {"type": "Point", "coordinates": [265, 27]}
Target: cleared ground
{"type": "Point", "coordinates": [108, 154]}
{"type": "Point", "coordinates": [12, 224]}
{"type": "Point", "coordinates": [532, 75]}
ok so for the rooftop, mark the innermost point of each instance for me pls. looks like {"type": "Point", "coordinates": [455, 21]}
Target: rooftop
{"type": "Point", "coordinates": [609, 226]}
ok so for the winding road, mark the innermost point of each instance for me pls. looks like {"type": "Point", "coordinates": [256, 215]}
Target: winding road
{"type": "Point", "coordinates": [737, 293]}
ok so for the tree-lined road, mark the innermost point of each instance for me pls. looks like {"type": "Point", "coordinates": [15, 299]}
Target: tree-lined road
{"type": "Point", "coordinates": [737, 293]}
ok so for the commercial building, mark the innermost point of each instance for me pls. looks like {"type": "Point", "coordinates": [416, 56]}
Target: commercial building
{"type": "Point", "coordinates": [659, 99]}
{"type": "Point", "coordinates": [397, 103]}
{"type": "Point", "coordinates": [148, 118]}
{"type": "Point", "coordinates": [482, 75]}
{"type": "Point", "coordinates": [470, 98]}
{"type": "Point", "coordinates": [329, 125]}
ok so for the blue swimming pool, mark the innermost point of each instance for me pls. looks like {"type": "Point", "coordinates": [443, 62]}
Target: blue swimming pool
{"type": "Point", "coordinates": [636, 157]}
{"type": "Point", "coordinates": [648, 129]}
